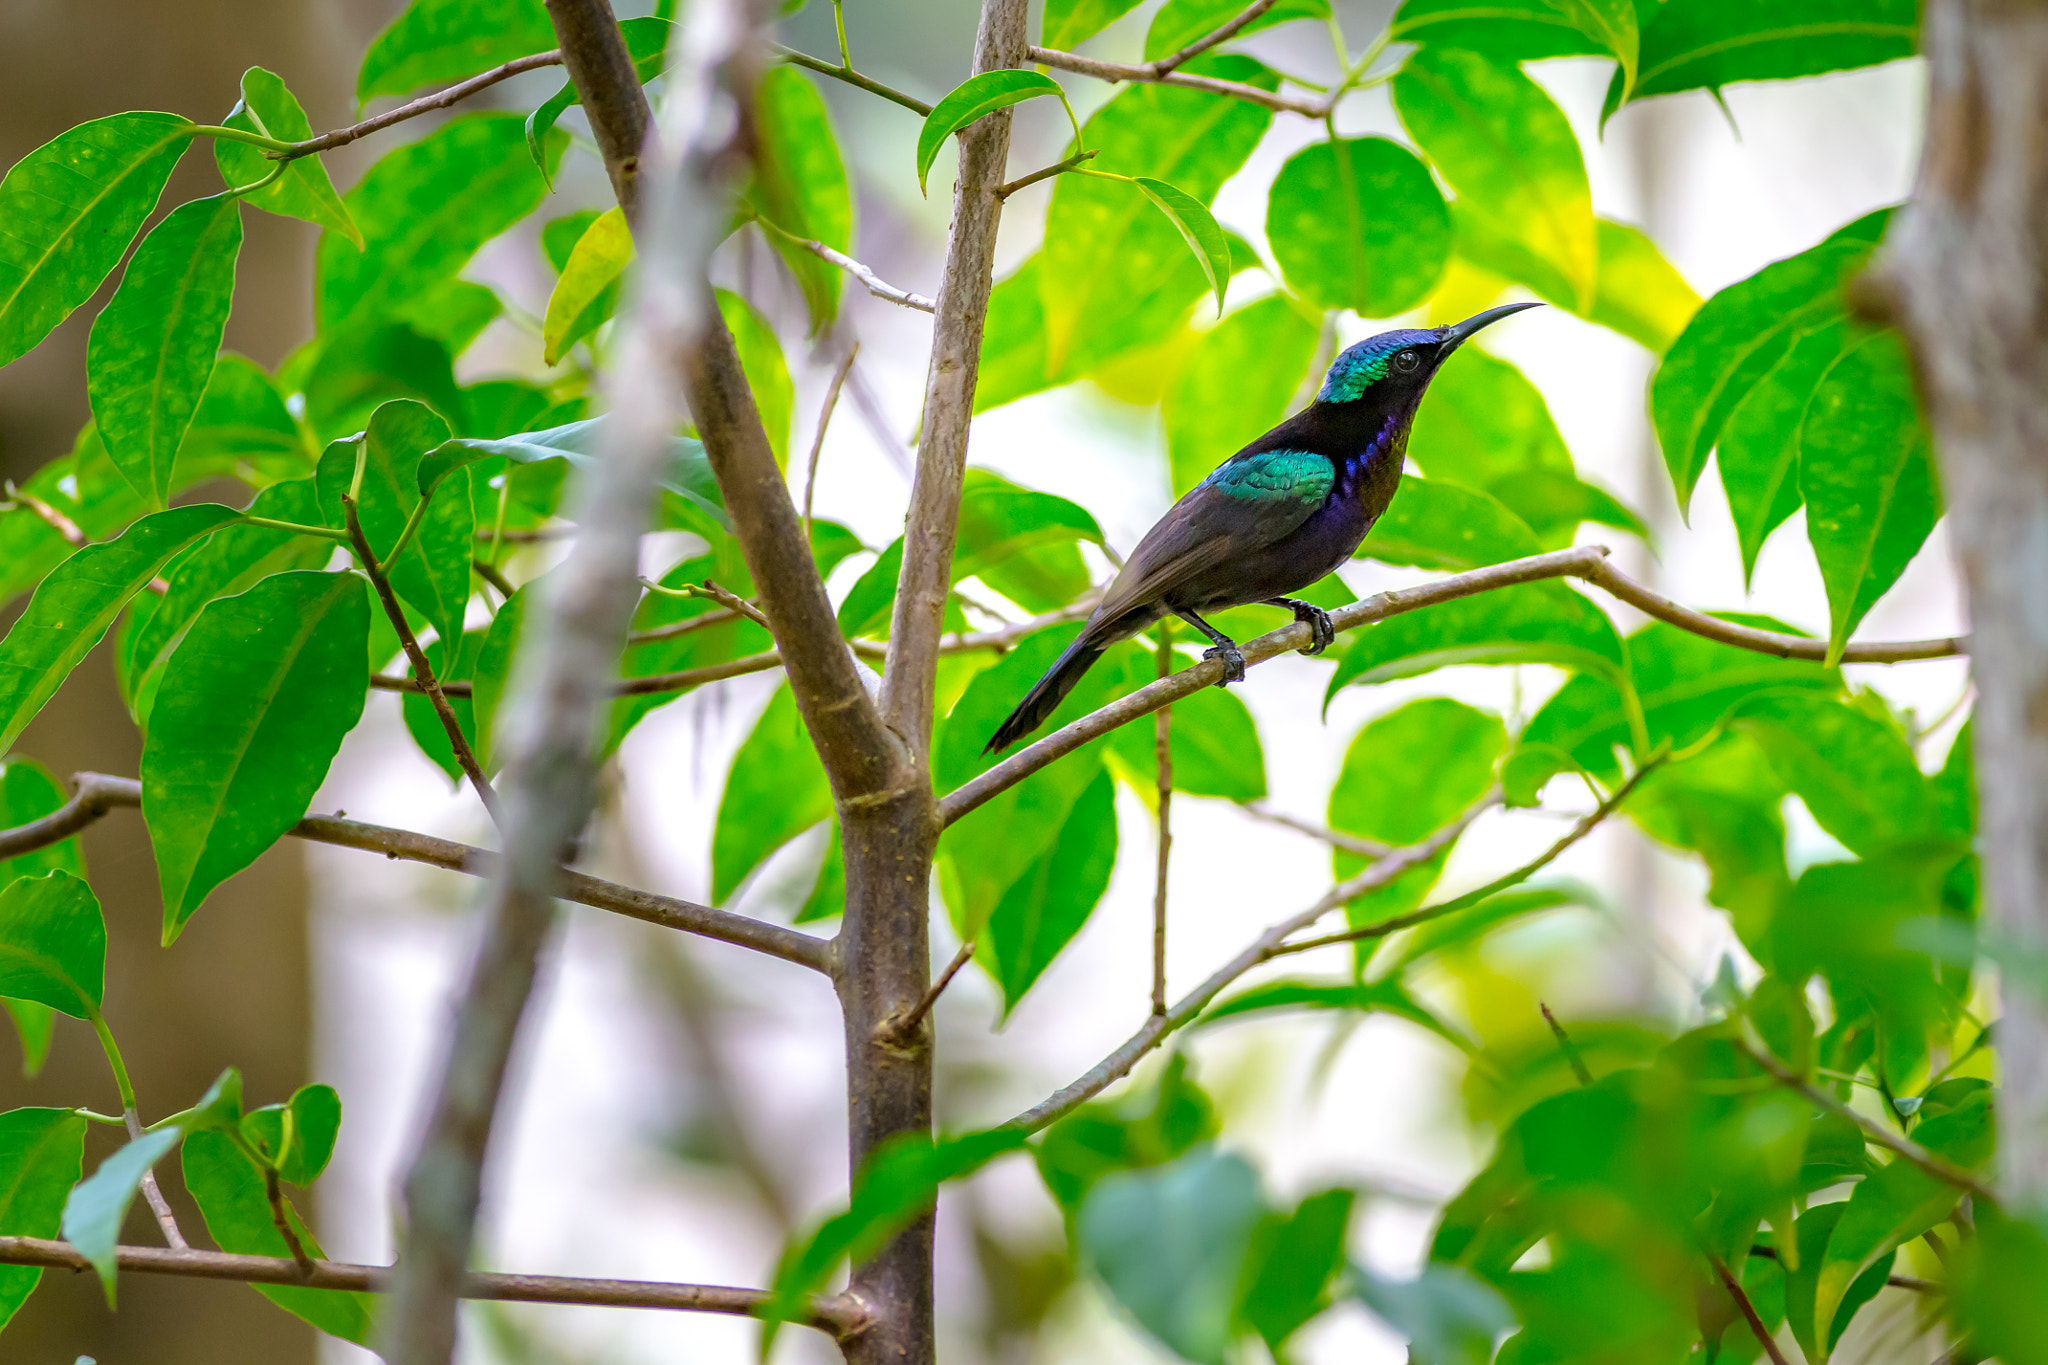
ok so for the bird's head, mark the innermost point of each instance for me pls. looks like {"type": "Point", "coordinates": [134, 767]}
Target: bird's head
{"type": "Point", "coordinates": [1397, 366]}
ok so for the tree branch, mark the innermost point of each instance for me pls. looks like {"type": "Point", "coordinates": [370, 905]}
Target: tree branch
{"type": "Point", "coordinates": [962, 310]}
{"type": "Point", "coordinates": [608, 86]}
{"type": "Point", "coordinates": [1350, 843]}
{"type": "Point", "coordinates": [824, 425]}
{"type": "Point", "coordinates": [1162, 758]}
{"type": "Point", "coordinates": [1116, 71]}
{"type": "Point", "coordinates": [836, 1315]}
{"type": "Point", "coordinates": [853, 78]}
{"type": "Point", "coordinates": [875, 284]}
{"type": "Point", "coordinates": [425, 104]}
{"type": "Point", "coordinates": [1749, 1313]}
{"type": "Point", "coordinates": [1165, 65]}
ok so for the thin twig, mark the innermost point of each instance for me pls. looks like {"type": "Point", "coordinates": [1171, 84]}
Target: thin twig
{"type": "Point", "coordinates": [1566, 1046]}
{"type": "Point", "coordinates": [837, 1315]}
{"type": "Point", "coordinates": [152, 1194]}
{"type": "Point", "coordinates": [1046, 173]}
{"type": "Point", "coordinates": [1162, 758]}
{"type": "Point", "coordinates": [1910, 1283]}
{"type": "Point", "coordinates": [852, 77]}
{"type": "Point", "coordinates": [425, 104]}
{"type": "Point", "coordinates": [1165, 65]}
{"type": "Point", "coordinates": [1158, 1026]}
{"type": "Point", "coordinates": [906, 1026]}
{"type": "Point", "coordinates": [489, 574]}
{"type": "Point", "coordinates": [98, 793]}
{"type": "Point", "coordinates": [733, 603]}
{"type": "Point", "coordinates": [423, 671]}
{"type": "Point", "coordinates": [1116, 71]}
{"type": "Point", "coordinates": [274, 1192]}
{"type": "Point", "coordinates": [876, 285]}
{"type": "Point", "coordinates": [1335, 838]}
{"type": "Point", "coordinates": [824, 422]}
{"type": "Point", "coordinates": [1939, 1167]}
{"type": "Point", "coordinates": [1749, 1313]}
{"type": "Point", "coordinates": [691, 626]}
{"type": "Point", "coordinates": [66, 527]}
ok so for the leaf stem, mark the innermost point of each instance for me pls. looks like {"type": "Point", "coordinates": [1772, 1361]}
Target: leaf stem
{"type": "Point", "coordinates": [271, 523]}
{"type": "Point", "coordinates": [851, 77]}
{"type": "Point", "coordinates": [268, 144]}
{"type": "Point", "coordinates": [131, 1119]}
{"type": "Point", "coordinates": [241, 191]}
{"type": "Point", "coordinates": [1071, 163]}
{"type": "Point", "coordinates": [408, 531]}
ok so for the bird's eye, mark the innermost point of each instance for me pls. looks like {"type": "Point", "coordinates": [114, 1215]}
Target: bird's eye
{"type": "Point", "coordinates": [1406, 362]}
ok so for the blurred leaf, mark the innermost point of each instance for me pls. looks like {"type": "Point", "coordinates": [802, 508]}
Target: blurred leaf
{"type": "Point", "coordinates": [1530, 623]}
{"type": "Point", "coordinates": [1724, 804]}
{"type": "Point", "coordinates": [688, 475]}
{"type": "Point", "coordinates": [452, 313]}
{"type": "Point", "coordinates": [1171, 1245]}
{"type": "Point", "coordinates": [53, 944]}
{"type": "Point", "coordinates": [1140, 1129]}
{"type": "Point", "coordinates": [415, 233]}
{"type": "Point", "coordinates": [1554, 504]}
{"type": "Point", "coordinates": [42, 1154]}
{"type": "Point", "coordinates": [1213, 748]}
{"type": "Point", "coordinates": [1050, 900]}
{"type": "Point", "coordinates": [71, 207]}
{"type": "Point", "coordinates": [588, 290]}
{"type": "Point", "coordinates": [1105, 247]}
{"type": "Point", "coordinates": [242, 415]}
{"type": "Point", "coordinates": [1855, 774]}
{"type": "Point", "coordinates": [892, 1189]}
{"type": "Point", "coordinates": [800, 185]}
{"type": "Point", "coordinates": [1955, 786]}
{"type": "Point", "coordinates": [367, 364]}
{"type": "Point", "coordinates": [1640, 294]}
{"type": "Point", "coordinates": [767, 373]}
{"type": "Point", "coordinates": [1385, 996]}
{"type": "Point", "coordinates": [1995, 1286]}
{"type": "Point", "coordinates": [28, 792]}
{"type": "Point", "coordinates": [970, 101]}
{"type": "Point", "coordinates": [75, 604]}
{"type": "Point", "coordinates": [1180, 23]}
{"type": "Point", "coordinates": [1447, 1315]}
{"type": "Point", "coordinates": [229, 1191]}
{"type": "Point", "coordinates": [436, 41]}
{"type": "Point", "coordinates": [1866, 469]}
{"type": "Point", "coordinates": [1612, 24]}
{"type": "Point", "coordinates": [1734, 341]}
{"type": "Point", "coordinates": [776, 791]}
{"type": "Point", "coordinates": [1892, 1206]}
{"type": "Point", "coordinates": [828, 893]}
{"type": "Point", "coordinates": [1506, 30]}
{"type": "Point", "coordinates": [1291, 1263]}
{"type": "Point", "coordinates": [252, 709]}
{"type": "Point", "coordinates": [95, 1207]}
{"type": "Point", "coordinates": [269, 109]}
{"type": "Point", "coordinates": [1198, 228]}
{"type": "Point", "coordinates": [1070, 22]}
{"type": "Point", "coordinates": [153, 346]}
{"type": "Point", "coordinates": [1483, 420]}
{"type": "Point", "coordinates": [1358, 223]}
{"type": "Point", "coordinates": [1237, 382]}
{"type": "Point", "coordinates": [1436, 524]}
{"type": "Point", "coordinates": [1509, 152]}
{"type": "Point", "coordinates": [1706, 44]}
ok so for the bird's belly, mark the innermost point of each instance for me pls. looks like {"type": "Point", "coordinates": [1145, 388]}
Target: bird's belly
{"type": "Point", "coordinates": [1314, 551]}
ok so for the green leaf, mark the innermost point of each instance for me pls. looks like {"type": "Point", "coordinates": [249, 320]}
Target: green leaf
{"type": "Point", "coordinates": [1611, 24]}
{"type": "Point", "coordinates": [296, 1138]}
{"type": "Point", "coordinates": [1886, 1209]}
{"type": "Point", "coordinates": [776, 791]}
{"type": "Point", "coordinates": [231, 560]}
{"type": "Point", "coordinates": [1071, 22]}
{"type": "Point", "coordinates": [42, 1154]}
{"type": "Point", "coordinates": [1051, 899]}
{"type": "Point", "coordinates": [1706, 44]}
{"type": "Point", "coordinates": [367, 364]}
{"type": "Point", "coordinates": [433, 572]}
{"type": "Point", "coordinates": [1482, 422]}
{"type": "Point", "coordinates": [1506, 30]}
{"type": "Point", "coordinates": [416, 234]}
{"type": "Point", "coordinates": [436, 41]}
{"type": "Point", "coordinates": [71, 207]}
{"type": "Point", "coordinates": [95, 1207]}
{"type": "Point", "coordinates": [1292, 1260]}
{"type": "Point", "coordinates": [1759, 447]}
{"type": "Point", "coordinates": [688, 475]}
{"type": "Point", "coordinates": [242, 416]}
{"type": "Point", "coordinates": [1214, 748]}
{"type": "Point", "coordinates": [1433, 524]}
{"type": "Point", "coordinates": [1866, 469]}
{"type": "Point", "coordinates": [73, 607]}
{"type": "Point", "coordinates": [153, 346]}
{"type": "Point", "coordinates": [589, 287]}
{"type": "Point", "coordinates": [1994, 1287]}
{"type": "Point", "coordinates": [800, 185]}
{"type": "Point", "coordinates": [1179, 23]}
{"type": "Point", "coordinates": [1736, 339]}
{"type": "Point", "coordinates": [1140, 1129]}
{"type": "Point", "coordinates": [1724, 804]}
{"type": "Point", "coordinates": [269, 109]}
{"type": "Point", "coordinates": [1198, 228]}
{"type": "Point", "coordinates": [1171, 1246]}
{"type": "Point", "coordinates": [1448, 1315]}
{"type": "Point", "coordinates": [1236, 383]}
{"type": "Point", "coordinates": [252, 709]}
{"type": "Point", "coordinates": [1359, 223]}
{"type": "Point", "coordinates": [1640, 294]}
{"type": "Point", "coordinates": [1386, 996]}
{"type": "Point", "coordinates": [892, 1189]}
{"type": "Point", "coordinates": [767, 372]}
{"type": "Point", "coordinates": [28, 792]}
{"type": "Point", "coordinates": [973, 99]}
{"type": "Point", "coordinates": [1106, 250]}
{"type": "Point", "coordinates": [229, 1191]}
{"type": "Point", "coordinates": [1855, 774]}
{"type": "Point", "coordinates": [1554, 504]}
{"type": "Point", "coordinates": [1530, 623]}
{"type": "Point", "coordinates": [647, 41]}
{"type": "Point", "coordinates": [1509, 152]}
{"type": "Point", "coordinates": [53, 944]}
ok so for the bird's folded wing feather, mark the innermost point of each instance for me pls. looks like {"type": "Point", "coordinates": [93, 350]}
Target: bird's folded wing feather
{"type": "Point", "coordinates": [1251, 501]}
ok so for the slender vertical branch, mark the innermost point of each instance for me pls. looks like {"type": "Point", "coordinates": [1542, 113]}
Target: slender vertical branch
{"type": "Point", "coordinates": [602, 71]}
{"type": "Point", "coordinates": [824, 422]}
{"type": "Point", "coordinates": [1162, 752]}
{"type": "Point", "coordinates": [907, 679]}
{"type": "Point", "coordinates": [561, 679]}
{"type": "Point", "coordinates": [274, 1192]}
{"type": "Point", "coordinates": [1749, 1313]}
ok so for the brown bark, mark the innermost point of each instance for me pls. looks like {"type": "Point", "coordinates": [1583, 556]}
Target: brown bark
{"type": "Point", "coordinates": [1967, 271]}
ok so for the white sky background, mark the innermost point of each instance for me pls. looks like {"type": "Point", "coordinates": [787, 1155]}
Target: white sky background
{"type": "Point", "coordinates": [580, 1184]}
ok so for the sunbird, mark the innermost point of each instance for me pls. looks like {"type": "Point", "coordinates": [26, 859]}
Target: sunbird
{"type": "Point", "coordinates": [1277, 516]}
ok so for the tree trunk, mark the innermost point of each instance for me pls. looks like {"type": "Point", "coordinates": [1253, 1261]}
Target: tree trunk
{"type": "Point", "coordinates": [1968, 269]}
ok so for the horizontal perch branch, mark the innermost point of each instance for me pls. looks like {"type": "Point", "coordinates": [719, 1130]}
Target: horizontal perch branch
{"type": "Point", "coordinates": [836, 1315]}
{"type": "Point", "coordinates": [1117, 71]}
{"type": "Point", "coordinates": [98, 793]}
{"type": "Point", "coordinates": [425, 104]}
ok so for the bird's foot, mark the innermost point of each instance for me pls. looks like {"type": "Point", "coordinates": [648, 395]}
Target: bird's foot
{"type": "Point", "coordinates": [1321, 632]}
{"type": "Point", "coordinates": [1233, 663]}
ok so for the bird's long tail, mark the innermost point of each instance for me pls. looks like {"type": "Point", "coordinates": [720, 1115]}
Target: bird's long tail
{"type": "Point", "coordinates": [1049, 691]}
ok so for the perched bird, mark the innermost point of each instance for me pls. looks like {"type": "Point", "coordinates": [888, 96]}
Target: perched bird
{"type": "Point", "coordinates": [1273, 518]}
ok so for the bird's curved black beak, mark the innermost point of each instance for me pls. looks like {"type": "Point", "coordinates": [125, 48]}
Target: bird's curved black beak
{"type": "Point", "coordinates": [1456, 334]}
